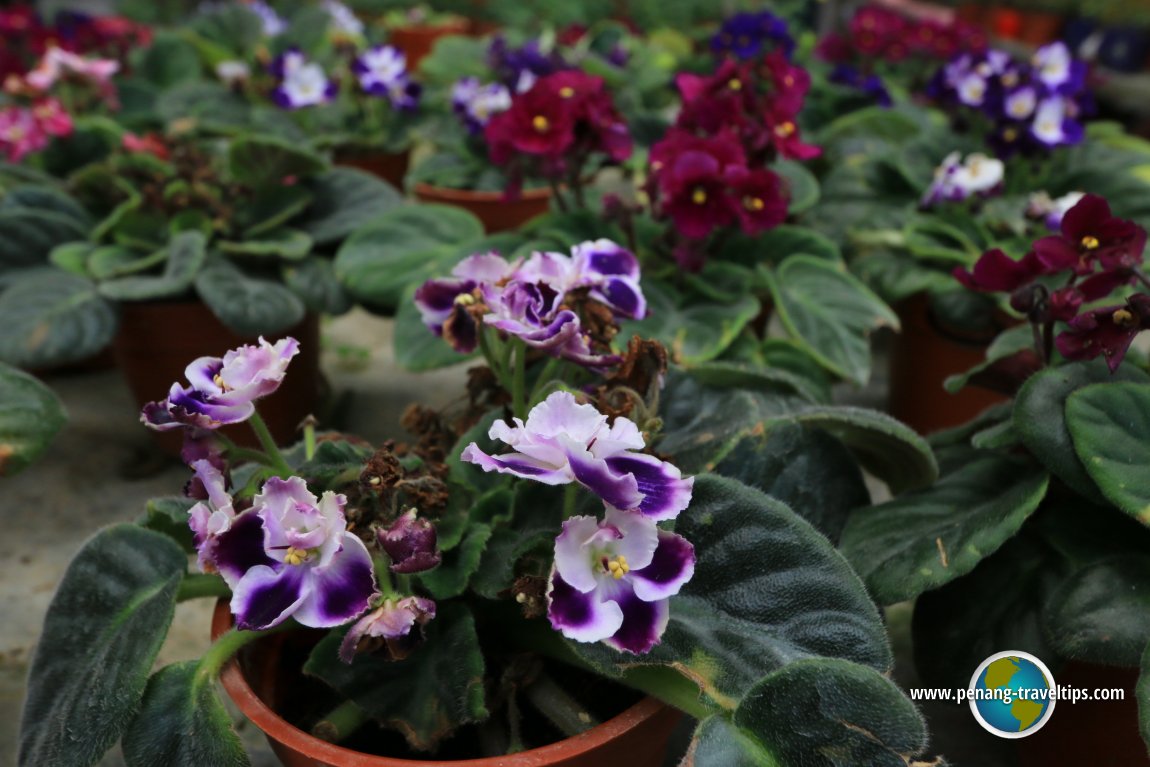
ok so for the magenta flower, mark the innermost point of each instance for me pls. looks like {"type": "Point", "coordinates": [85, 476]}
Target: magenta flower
{"type": "Point", "coordinates": [52, 117]}
{"type": "Point", "coordinates": [612, 579]}
{"type": "Point", "coordinates": [20, 134]}
{"type": "Point", "coordinates": [290, 555]}
{"type": "Point", "coordinates": [223, 390]}
{"type": "Point", "coordinates": [761, 201]}
{"type": "Point", "coordinates": [392, 620]}
{"type": "Point", "coordinates": [58, 64]}
{"type": "Point", "coordinates": [563, 441]}
{"type": "Point", "coordinates": [1107, 332]}
{"type": "Point", "coordinates": [411, 543]}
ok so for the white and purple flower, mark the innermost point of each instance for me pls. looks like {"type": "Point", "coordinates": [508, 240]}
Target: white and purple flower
{"type": "Point", "coordinates": [273, 23]}
{"type": "Point", "coordinates": [301, 83]}
{"type": "Point", "coordinates": [1057, 69]}
{"type": "Point", "coordinates": [1053, 125]}
{"type": "Point", "coordinates": [343, 19]}
{"type": "Point", "coordinates": [611, 579]}
{"type": "Point", "coordinates": [563, 442]}
{"type": "Point", "coordinates": [212, 516]}
{"type": "Point", "coordinates": [223, 390]}
{"type": "Point", "coordinates": [957, 179]}
{"type": "Point", "coordinates": [392, 620]}
{"type": "Point", "coordinates": [444, 303]}
{"type": "Point", "coordinates": [290, 555]}
{"type": "Point", "coordinates": [476, 104]}
{"type": "Point", "coordinates": [382, 71]}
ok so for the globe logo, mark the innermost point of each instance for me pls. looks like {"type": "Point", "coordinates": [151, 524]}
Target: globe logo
{"type": "Point", "coordinates": [1012, 694]}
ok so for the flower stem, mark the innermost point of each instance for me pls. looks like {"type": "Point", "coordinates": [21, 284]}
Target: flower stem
{"type": "Point", "coordinates": [566, 713]}
{"type": "Point", "coordinates": [570, 494]}
{"type": "Point", "coordinates": [340, 723]}
{"type": "Point", "coordinates": [309, 439]}
{"type": "Point", "coordinates": [275, 457]}
{"type": "Point", "coordinates": [519, 381]}
{"type": "Point", "coordinates": [230, 643]}
{"type": "Point", "coordinates": [544, 379]}
{"type": "Point", "coordinates": [198, 585]}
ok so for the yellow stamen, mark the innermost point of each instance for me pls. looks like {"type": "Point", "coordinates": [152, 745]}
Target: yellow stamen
{"type": "Point", "coordinates": [1010, 134]}
{"type": "Point", "coordinates": [699, 196]}
{"type": "Point", "coordinates": [218, 380]}
{"type": "Point", "coordinates": [1123, 318]}
{"type": "Point", "coordinates": [1089, 242]}
{"type": "Point", "coordinates": [753, 203]}
{"type": "Point", "coordinates": [296, 556]}
{"type": "Point", "coordinates": [464, 299]}
{"type": "Point", "coordinates": [789, 80]}
{"type": "Point", "coordinates": [541, 123]}
{"type": "Point", "coordinates": [566, 91]}
{"type": "Point", "coordinates": [735, 84]}
{"type": "Point", "coordinates": [785, 129]}
{"type": "Point", "coordinates": [618, 567]}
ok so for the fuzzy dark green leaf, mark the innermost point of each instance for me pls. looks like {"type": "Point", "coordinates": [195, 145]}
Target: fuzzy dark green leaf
{"type": "Point", "coordinates": [53, 317]}
{"type": "Point", "coordinates": [248, 305]}
{"type": "Point", "coordinates": [30, 417]}
{"type": "Point", "coordinates": [1101, 614]}
{"type": "Point", "coordinates": [266, 161]}
{"type": "Point", "coordinates": [1109, 424]}
{"type": "Point", "coordinates": [343, 200]}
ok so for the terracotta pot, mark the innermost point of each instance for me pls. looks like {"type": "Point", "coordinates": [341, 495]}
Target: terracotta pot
{"type": "Point", "coordinates": [417, 42]}
{"type": "Point", "coordinates": [156, 341]}
{"type": "Point", "coordinates": [1006, 23]}
{"type": "Point", "coordinates": [1090, 732]}
{"type": "Point", "coordinates": [922, 357]}
{"type": "Point", "coordinates": [635, 738]}
{"type": "Point", "coordinates": [974, 13]}
{"type": "Point", "coordinates": [1040, 27]}
{"type": "Point", "coordinates": [497, 213]}
{"type": "Point", "coordinates": [389, 166]}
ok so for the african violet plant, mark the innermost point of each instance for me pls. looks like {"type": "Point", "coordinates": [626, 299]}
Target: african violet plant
{"type": "Point", "coordinates": [1035, 536]}
{"type": "Point", "coordinates": [581, 513]}
{"type": "Point", "coordinates": [30, 417]}
{"type": "Point", "coordinates": [246, 225]}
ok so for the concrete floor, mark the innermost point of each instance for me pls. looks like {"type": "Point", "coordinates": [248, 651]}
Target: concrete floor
{"type": "Point", "coordinates": [82, 484]}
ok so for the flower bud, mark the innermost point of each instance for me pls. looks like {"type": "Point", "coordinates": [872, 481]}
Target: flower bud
{"type": "Point", "coordinates": [411, 544]}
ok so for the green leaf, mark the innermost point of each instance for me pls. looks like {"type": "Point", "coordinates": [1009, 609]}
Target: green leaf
{"type": "Point", "coordinates": [775, 245]}
{"type": "Point", "coordinates": [313, 280]}
{"type": "Point", "coordinates": [344, 200]}
{"type": "Point", "coordinates": [248, 305]}
{"type": "Point", "coordinates": [273, 208]}
{"type": "Point", "coordinates": [1039, 417]}
{"type": "Point", "coordinates": [27, 236]}
{"type": "Point", "coordinates": [182, 723]}
{"type": "Point", "coordinates": [807, 469]}
{"type": "Point", "coordinates": [266, 161]}
{"type": "Point", "coordinates": [30, 417]}
{"type": "Point", "coordinates": [209, 105]}
{"type": "Point", "coordinates": [46, 198]}
{"type": "Point", "coordinates": [802, 186]}
{"type": "Point", "coordinates": [1109, 424]}
{"type": "Point", "coordinates": [996, 605]}
{"type": "Point", "coordinates": [53, 317]}
{"type": "Point", "coordinates": [72, 257]}
{"type": "Point", "coordinates": [403, 247]}
{"type": "Point", "coordinates": [1101, 614]}
{"type": "Point", "coordinates": [169, 515]}
{"type": "Point", "coordinates": [169, 60]}
{"type": "Point", "coordinates": [851, 715]}
{"type": "Point", "coordinates": [922, 540]}
{"type": "Point", "coordinates": [830, 313]}
{"type": "Point", "coordinates": [288, 244]}
{"type": "Point", "coordinates": [877, 122]}
{"type": "Point", "coordinates": [1007, 344]}
{"type": "Point", "coordinates": [185, 255]}
{"type": "Point", "coordinates": [450, 579]}
{"type": "Point", "coordinates": [1143, 695]}
{"type": "Point", "coordinates": [526, 528]}
{"type": "Point", "coordinates": [426, 695]}
{"type": "Point", "coordinates": [731, 626]}
{"type": "Point", "coordinates": [931, 239]}
{"type": "Point", "coordinates": [103, 630]}
{"type": "Point", "coordinates": [693, 330]}
{"type": "Point", "coordinates": [111, 261]}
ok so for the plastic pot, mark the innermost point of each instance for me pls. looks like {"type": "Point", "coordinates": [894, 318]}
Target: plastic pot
{"type": "Point", "coordinates": [497, 213]}
{"type": "Point", "coordinates": [157, 340]}
{"type": "Point", "coordinates": [416, 42]}
{"type": "Point", "coordinates": [389, 166]}
{"type": "Point", "coordinates": [635, 738]}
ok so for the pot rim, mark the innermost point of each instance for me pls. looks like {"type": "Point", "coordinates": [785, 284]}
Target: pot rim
{"type": "Point", "coordinates": [262, 715]}
{"type": "Point", "coordinates": [472, 195]}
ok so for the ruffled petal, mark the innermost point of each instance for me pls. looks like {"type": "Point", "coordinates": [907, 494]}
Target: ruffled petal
{"type": "Point", "coordinates": [617, 489]}
{"type": "Point", "coordinates": [571, 553]}
{"type": "Point", "coordinates": [517, 465]}
{"type": "Point", "coordinates": [637, 537]}
{"type": "Point", "coordinates": [339, 591]}
{"type": "Point", "coordinates": [665, 492]}
{"type": "Point", "coordinates": [265, 597]}
{"type": "Point", "coordinates": [643, 622]}
{"type": "Point", "coordinates": [579, 616]}
{"type": "Point", "coordinates": [240, 548]}
{"type": "Point", "coordinates": [672, 566]}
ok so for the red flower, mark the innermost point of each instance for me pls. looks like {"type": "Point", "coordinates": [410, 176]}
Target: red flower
{"type": "Point", "coordinates": [784, 133]}
{"type": "Point", "coordinates": [1091, 235]}
{"type": "Point", "coordinates": [760, 199]}
{"type": "Point", "coordinates": [791, 83]}
{"type": "Point", "coordinates": [690, 173]}
{"type": "Point", "coordinates": [996, 272]}
{"type": "Point", "coordinates": [1107, 332]}
{"type": "Point", "coordinates": [147, 144]}
{"type": "Point", "coordinates": [540, 122]}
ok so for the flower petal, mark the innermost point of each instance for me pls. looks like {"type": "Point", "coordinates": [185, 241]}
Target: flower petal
{"type": "Point", "coordinates": [571, 553]}
{"type": "Point", "coordinates": [579, 616]}
{"type": "Point", "coordinates": [643, 622]}
{"type": "Point", "coordinates": [517, 465]}
{"type": "Point", "coordinates": [241, 547]}
{"type": "Point", "coordinates": [665, 492]}
{"type": "Point", "coordinates": [265, 597]}
{"type": "Point", "coordinates": [620, 490]}
{"type": "Point", "coordinates": [339, 591]}
{"type": "Point", "coordinates": [672, 566]}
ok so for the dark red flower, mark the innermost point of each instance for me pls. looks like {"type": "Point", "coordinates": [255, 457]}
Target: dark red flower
{"type": "Point", "coordinates": [690, 175]}
{"type": "Point", "coordinates": [540, 122]}
{"type": "Point", "coordinates": [996, 272]}
{"type": "Point", "coordinates": [785, 137]}
{"type": "Point", "coordinates": [760, 199]}
{"type": "Point", "coordinates": [721, 101]}
{"type": "Point", "coordinates": [1092, 236]}
{"type": "Point", "coordinates": [1107, 332]}
{"type": "Point", "coordinates": [790, 83]}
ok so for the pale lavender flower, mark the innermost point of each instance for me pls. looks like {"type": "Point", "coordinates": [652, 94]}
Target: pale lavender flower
{"type": "Point", "coordinates": [392, 620]}
{"type": "Point", "coordinates": [301, 83]}
{"type": "Point", "coordinates": [1057, 69]}
{"type": "Point", "coordinates": [563, 442]}
{"type": "Point", "coordinates": [1053, 126]}
{"type": "Point", "coordinates": [290, 555]}
{"type": "Point", "coordinates": [273, 23]}
{"type": "Point", "coordinates": [343, 20]}
{"type": "Point", "coordinates": [223, 390]}
{"type": "Point", "coordinates": [443, 303]}
{"type": "Point", "coordinates": [611, 580]}
{"type": "Point", "coordinates": [212, 516]}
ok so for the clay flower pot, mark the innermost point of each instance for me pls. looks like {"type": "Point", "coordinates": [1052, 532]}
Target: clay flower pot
{"type": "Point", "coordinates": [416, 42]}
{"type": "Point", "coordinates": [1006, 23]}
{"type": "Point", "coordinates": [635, 738]}
{"type": "Point", "coordinates": [389, 166]}
{"type": "Point", "coordinates": [922, 357]}
{"type": "Point", "coordinates": [1040, 27]}
{"type": "Point", "coordinates": [497, 213]}
{"type": "Point", "coordinates": [157, 340]}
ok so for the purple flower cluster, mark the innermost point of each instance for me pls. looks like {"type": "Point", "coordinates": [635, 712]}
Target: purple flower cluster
{"type": "Point", "coordinates": [528, 299]}
{"type": "Point", "coordinates": [520, 67]}
{"type": "Point", "coordinates": [870, 85]}
{"type": "Point", "coordinates": [382, 71]}
{"type": "Point", "coordinates": [612, 577]}
{"type": "Point", "coordinates": [300, 83]}
{"type": "Point", "coordinates": [1035, 105]}
{"type": "Point", "coordinates": [748, 35]}
{"type": "Point", "coordinates": [956, 179]}
{"type": "Point", "coordinates": [475, 104]}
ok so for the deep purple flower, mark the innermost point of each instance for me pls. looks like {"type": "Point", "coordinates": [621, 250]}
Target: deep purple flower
{"type": "Point", "coordinates": [411, 543]}
{"type": "Point", "coordinates": [1107, 332]}
{"type": "Point", "coordinates": [747, 35]}
{"type": "Point", "coordinates": [223, 390]}
{"type": "Point", "coordinates": [212, 516]}
{"type": "Point", "coordinates": [290, 555]}
{"type": "Point", "coordinates": [512, 65]}
{"type": "Point", "coordinates": [301, 83]}
{"type": "Point", "coordinates": [392, 620]}
{"type": "Point", "coordinates": [563, 441]}
{"type": "Point", "coordinates": [612, 579]}
{"type": "Point", "coordinates": [382, 71]}
{"type": "Point", "coordinates": [871, 85]}
{"type": "Point", "coordinates": [444, 303]}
